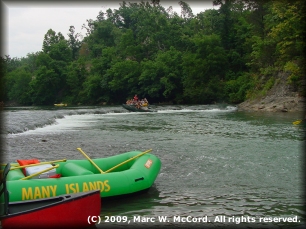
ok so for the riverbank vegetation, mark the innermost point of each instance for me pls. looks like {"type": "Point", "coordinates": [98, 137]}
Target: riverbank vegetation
{"type": "Point", "coordinates": [228, 54]}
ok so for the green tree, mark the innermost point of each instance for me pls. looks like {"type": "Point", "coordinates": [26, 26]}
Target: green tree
{"type": "Point", "coordinates": [50, 39]}
{"type": "Point", "coordinates": [129, 48]}
{"type": "Point", "coordinates": [44, 86]}
{"type": "Point", "coordinates": [186, 11]}
{"type": "Point", "coordinates": [149, 80]}
{"type": "Point", "coordinates": [17, 86]}
{"type": "Point", "coordinates": [103, 35]}
{"type": "Point", "coordinates": [74, 42]}
{"type": "Point", "coordinates": [123, 81]}
{"type": "Point", "coordinates": [204, 69]}
{"type": "Point", "coordinates": [49, 84]}
{"type": "Point", "coordinates": [92, 93]}
{"type": "Point", "coordinates": [76, 75]}
{"type": "Point", "coordinates": [170, 63]}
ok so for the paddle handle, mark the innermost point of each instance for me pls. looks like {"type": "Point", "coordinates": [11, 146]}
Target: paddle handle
{"type": "Point", "coordinates": [132, 158]}
{"type": "Point", "coordinates": [43, 171]}
{"type": "Point", "coordinates": [94, 164]}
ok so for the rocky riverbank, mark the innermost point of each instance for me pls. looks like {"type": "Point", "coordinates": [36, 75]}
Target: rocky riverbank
{"type": "Point", "coordinates": [275, 104]}
{"type": "Point", "coordinates": [281, 98]}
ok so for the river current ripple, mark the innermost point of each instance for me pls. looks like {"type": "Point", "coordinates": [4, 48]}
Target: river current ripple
{"type": "Point", "coordinates": [217, 162]}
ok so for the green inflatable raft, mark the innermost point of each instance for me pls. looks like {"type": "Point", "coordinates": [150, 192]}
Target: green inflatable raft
{"type": "Point", "coordinates": [122, 174]}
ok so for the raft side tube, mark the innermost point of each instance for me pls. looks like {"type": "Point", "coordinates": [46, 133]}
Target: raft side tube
{"type": "Point", "coordinates": [105, 163]}
{"type": "Point", "coordinates": [72, 169]}
{"type": "Point", "coordinates": [15, 174]}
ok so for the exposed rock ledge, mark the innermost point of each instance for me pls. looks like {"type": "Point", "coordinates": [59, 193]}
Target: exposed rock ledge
{"type": "Point", "coordinates": [275, 104]}
{"type": "Point", "coordinates": [281, 98]}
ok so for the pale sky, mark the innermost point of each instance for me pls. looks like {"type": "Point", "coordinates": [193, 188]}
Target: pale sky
{"type": "Point", "coordinates": [27, 22]}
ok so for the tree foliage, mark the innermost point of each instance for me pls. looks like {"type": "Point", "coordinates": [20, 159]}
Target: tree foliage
{"type": "Point", "coordinates": [219, 55]}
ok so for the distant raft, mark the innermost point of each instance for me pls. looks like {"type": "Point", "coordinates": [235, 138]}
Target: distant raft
{"type": "Point", "coordinates": [60, 104]}
{"type": "Point", "coordinates": [134, 108]}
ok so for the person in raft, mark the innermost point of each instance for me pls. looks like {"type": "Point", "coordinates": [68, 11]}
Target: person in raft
{"type": "Point", "coordinates": [135, 98]}
{"type": "Point", "coordinates": [144, 102]}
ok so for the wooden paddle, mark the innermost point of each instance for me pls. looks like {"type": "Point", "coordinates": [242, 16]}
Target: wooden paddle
{"type": "Point", "coordinates": [132, 158]}
{"type": "Point", "coordinates": [43, 171]}
{"type": "Point", "coordinates": [91, 161]}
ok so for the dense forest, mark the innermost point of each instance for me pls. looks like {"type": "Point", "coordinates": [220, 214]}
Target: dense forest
{"type": "Point", "coordinates": [228, 54]}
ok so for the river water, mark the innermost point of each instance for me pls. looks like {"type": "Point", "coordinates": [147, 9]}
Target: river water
{"type": "Point", "coordinates": [220, 165]}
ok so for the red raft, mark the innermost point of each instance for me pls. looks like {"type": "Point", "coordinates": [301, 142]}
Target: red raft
{"type": "Point", "coordinates": [79, 210]}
